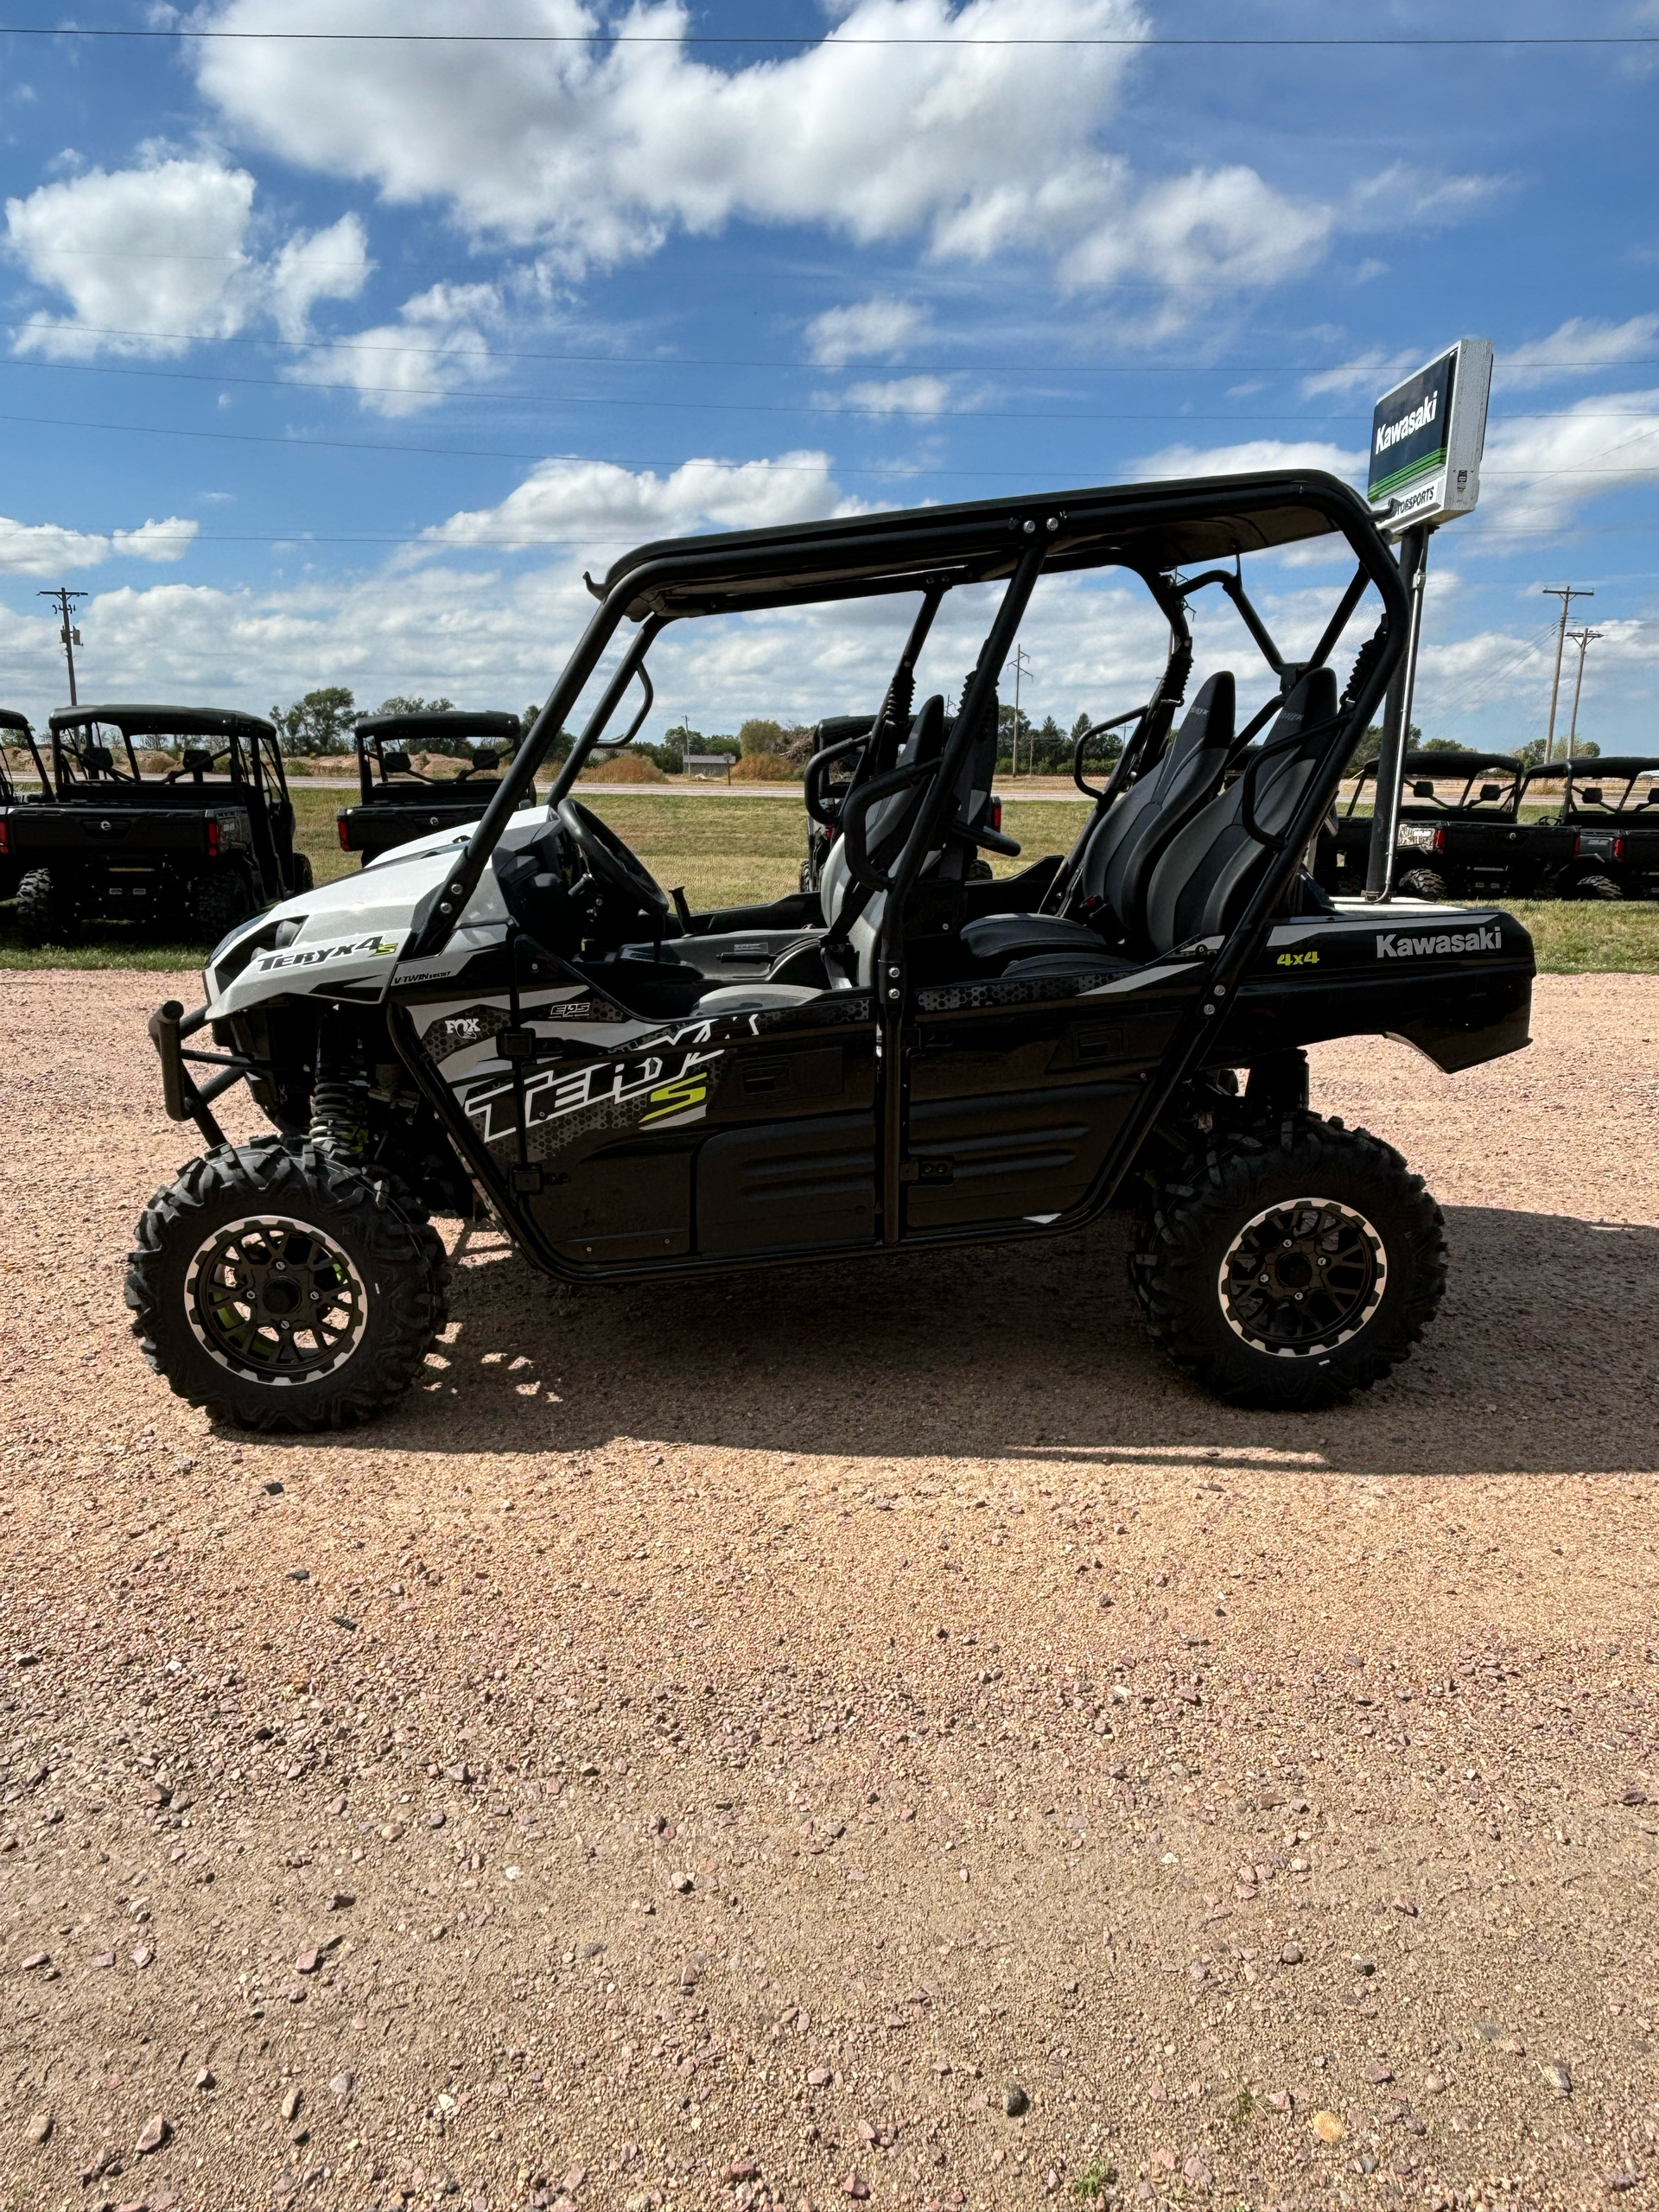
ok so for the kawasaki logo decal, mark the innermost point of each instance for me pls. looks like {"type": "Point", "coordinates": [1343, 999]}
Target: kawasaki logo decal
{"type": "Point", "coordinates": [1393, 946]}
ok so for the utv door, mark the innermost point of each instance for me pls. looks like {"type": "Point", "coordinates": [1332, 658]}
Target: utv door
{"type": "Point", "coordinates": [617, 1139]}
{"type": "Point", "coordinates": [1016, 1088]}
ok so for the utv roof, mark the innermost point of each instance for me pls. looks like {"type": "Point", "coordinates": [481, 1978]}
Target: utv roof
{"type": "Point", "coordinates": [1151, 528]}
{"type": "Point", "coordinates": [10, 719]}
{"type": "Point", "coordinates": [167, 722]}
{"type": "Point", "coordinates": [437, 722]}
{"type": "Point", "coordinates": [1619, 764]}
{"type": "Point", "coordinates": [1441, 762]}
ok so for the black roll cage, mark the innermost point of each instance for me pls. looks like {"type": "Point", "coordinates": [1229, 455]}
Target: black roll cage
{"type": "Point", "coordinates": [378, 735]}
{"type": "Point", "coordinates": [1446, 767]}
{"type": "Point", "coordinates": [1627, 768]}
{"type": "Point", "coordinates": [249, 741]}
{"type": "Point", "coordinates": [17, 725]}
{"type": "Point", "coordinates": [1154, 530]}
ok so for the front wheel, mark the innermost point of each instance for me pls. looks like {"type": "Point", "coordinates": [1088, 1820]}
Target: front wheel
{"type": "Point", "coordinates": [279, 1288]}
{"type": "Point", "coordinates": [1291, 1269]}
{"type": "Point", "coordinates": [220, 904]}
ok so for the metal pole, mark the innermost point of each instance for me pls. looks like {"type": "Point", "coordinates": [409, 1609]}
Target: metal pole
{"type": "Point", "coordinates": [68, 635]}
{"type": "Point", "coordinates": [1584, 639]}
{"type": "Point", "coordinates": [1013, 743]}
{"type": "Point", "coordinates": [1567, 593]}
{"type": "Point", "coordinates": [1397, 724]}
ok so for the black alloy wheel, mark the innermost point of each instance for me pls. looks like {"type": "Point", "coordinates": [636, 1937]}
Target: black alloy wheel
{"type": "Point", "coordinates": [1303, 1278]}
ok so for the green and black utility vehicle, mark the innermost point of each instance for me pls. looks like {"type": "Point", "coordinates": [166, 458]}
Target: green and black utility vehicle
{"type": "Point", "coordinates": [1459, 834]}
{"type": "Point", "coordinates": [196, 846]}
{"type": "Point", "coordinates": [15, 733]}
{"type": "Point", "coordinates": [519, 1018]}
{"type": "Point", "coordinates": [1604, 823]}
{"type": "Point", "coordinates": [400, 801]}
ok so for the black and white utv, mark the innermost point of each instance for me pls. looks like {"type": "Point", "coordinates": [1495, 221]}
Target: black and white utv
{"type": "Point", "coordinates": [519, 1018]}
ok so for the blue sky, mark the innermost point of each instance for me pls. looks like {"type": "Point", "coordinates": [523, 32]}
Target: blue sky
{"type": "Point", "coordinates": [336, 362]}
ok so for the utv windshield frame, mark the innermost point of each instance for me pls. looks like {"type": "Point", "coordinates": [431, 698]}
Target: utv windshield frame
{"type": "Point", "coordinates": [1446, 767]}
{"type": "Point", "coordinates": [1625, 768]}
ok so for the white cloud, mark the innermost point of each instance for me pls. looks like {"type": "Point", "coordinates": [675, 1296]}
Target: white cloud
{"type": "Point", "coordinates": [596, 505]}
{"type": "Point", "coordinates": [153, 259]}
{"type": "Point", "coordinates": [1404, 197]}
{"type": "Point", "coordinates": [879, 328]}
{"type": "Point", "coordinates": [1256, 454]}
{"type": "Point", "coordinates": [1536, 472]}
{"type": "Point", "coordinates": [157, 253]}
{"type": "Point", "coordinates": [331, 264]}
{"type": "Point", "coordinates": [1372, 373]}
{"type": "Point", "coordinates": [1576, 347]}
{"type": "Point", "coordinates": [400, 368]}
{"type": "Point", "coordinates": [896, 396]}
{"type": "Point", "coordinates": [43, 549]}
{"type": "Point", "coordinates": [589, 153]}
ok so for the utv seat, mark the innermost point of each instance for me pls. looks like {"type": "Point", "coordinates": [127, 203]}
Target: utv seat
{"type": "Point", "coordinates": [1120, 852]}
{"type": "Point", "coordinates": [1203, 880]}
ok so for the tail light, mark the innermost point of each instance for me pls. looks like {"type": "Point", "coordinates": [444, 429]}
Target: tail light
{"type": "Point", "coordinates": [1440, 841]}
{"type": "Point", "coordinates": [212, 838]}
{"type": "Point", "coordinates": [1618, 845]}
{"type": "Point", "coordinates": [5, 836]}
{"type": "Point", "coordinates": [344, 836]}
{"type": "Point", "coordinates": [996, 814]}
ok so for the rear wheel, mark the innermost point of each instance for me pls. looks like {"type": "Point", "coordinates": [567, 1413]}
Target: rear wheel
{"type": "Point", "coordinates": [219, 902]}
{"type": "Point", "coordinates": [1291, 1269]}
{"type": "Point", "coordinates": [304, 875]}
{"type": "Point", "coordinates": [47, 911]}
{"type": "Point", "coordinates": [279, 1288]}
{"type": "Point", "coordinates": [1425, 883]}
{"type": "Point", "coordinates": [1595, 886]}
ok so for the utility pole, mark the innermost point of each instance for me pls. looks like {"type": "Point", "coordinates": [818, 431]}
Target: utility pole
{"type": "Point", "coordinates": [1021, 666]}
{"type": "Point", "coordinates": [1583, 640]}
{"type": "Point", "coordinates": [1567, 593]}
{"type": "Point", "coordinates": [68, 634]}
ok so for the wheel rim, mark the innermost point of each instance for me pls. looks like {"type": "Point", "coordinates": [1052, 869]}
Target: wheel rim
{"type": "Point", "coordinates": [276, 1300]}
{"type": "Point", "coordinates": [1302, 1278]}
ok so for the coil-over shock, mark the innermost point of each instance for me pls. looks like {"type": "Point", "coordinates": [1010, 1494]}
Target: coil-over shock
{"type": "Point", "coordinates": [339, 1090]}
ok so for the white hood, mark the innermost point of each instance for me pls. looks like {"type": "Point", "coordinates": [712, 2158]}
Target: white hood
{"type": "Point", "coordinates": [356, 927]}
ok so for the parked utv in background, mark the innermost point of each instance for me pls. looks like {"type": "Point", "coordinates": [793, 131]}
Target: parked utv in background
{"type": "Point", "coordinates": [14, 725]}
{"type": "Point", "coordinates": [1459, 834]}
{"type": "Point", "coordinates": [194, 848]}
{"type": "Point", "coordinates": [400, 801]}
{"type": "Point", "coordinates": [917, 1059]}
{"type": "Point", "coordinates": [1609, 811]}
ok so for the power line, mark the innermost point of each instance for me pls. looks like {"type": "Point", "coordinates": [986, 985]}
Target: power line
{"type": "Point", "coordinates": [601, 37]}
{"type": "Point", "coordinates": [755, 361]}
{"type": "Point", "coordinates": [1567, 593]}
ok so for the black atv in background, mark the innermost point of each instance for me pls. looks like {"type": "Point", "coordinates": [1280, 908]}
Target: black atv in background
{"type": "Point", "coordinates": [197, 847]}
{"type": "Point", "coordinates": [1605, 826]}
{"type": "Point", "coordinates": [398, 802]}
{"type": "Point", "coordinates": [13, 726]}
{"type": "Point", "coordinates": [1460, 835]}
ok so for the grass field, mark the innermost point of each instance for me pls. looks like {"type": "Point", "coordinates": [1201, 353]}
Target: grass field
{"type": "Point", "coordinates": [729, 852]}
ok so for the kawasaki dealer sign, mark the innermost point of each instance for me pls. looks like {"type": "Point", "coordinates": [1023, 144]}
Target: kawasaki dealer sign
{"type": "Point", "coordinates": [1426, 436]}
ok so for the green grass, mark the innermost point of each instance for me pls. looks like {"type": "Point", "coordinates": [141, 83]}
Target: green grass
{"type": "Point", "coordinates": [731, 852]}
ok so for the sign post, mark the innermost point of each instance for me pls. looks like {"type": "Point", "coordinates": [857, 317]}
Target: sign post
{"type": "Point", "coordinates": [1427, 435]}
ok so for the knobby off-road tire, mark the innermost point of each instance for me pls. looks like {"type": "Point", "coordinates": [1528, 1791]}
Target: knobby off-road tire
{"type": "Point", "coordinates": [304, 876]}
{"type": "Point", "coordinates": [1425, 883]}
{"type": "Point", "coordinates": [1596, 887]}
{"type": "Point", "coordinates": [48, 911]}
{"type": "Point", "coordinates": [279, 1288]}
{"type": "Point", "coordinates": [219, 902]}
{"type": "Point", "coordinates": [1290, 1268]}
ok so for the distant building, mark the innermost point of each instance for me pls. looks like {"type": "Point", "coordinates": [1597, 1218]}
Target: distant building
{"type": "Point", "coordinates": [711, 766]}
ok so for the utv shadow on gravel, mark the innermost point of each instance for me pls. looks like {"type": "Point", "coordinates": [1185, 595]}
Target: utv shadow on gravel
{"type": "Point", "coordinates": [906, 1058]}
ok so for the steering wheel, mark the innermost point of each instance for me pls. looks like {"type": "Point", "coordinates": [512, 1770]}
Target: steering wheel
{"type": "Point", "coordinates": [609, 860]}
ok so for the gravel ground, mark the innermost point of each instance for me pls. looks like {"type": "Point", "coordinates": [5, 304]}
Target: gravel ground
{"type": "Point", "coordinates": [859, 1733]}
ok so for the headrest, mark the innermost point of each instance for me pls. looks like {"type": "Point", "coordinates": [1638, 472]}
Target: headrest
{"type": "Point", "coordinates": [1209, 720]}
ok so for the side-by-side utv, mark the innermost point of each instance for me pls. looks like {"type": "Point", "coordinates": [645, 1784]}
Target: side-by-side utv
{"type": "Point", "coordinates": [1459, 834]}
{"type": "Point", "coordinates": [519, 1018]}
{"type": "Point", "coordinates": [16, 732]}
{"type": "Point", "coordinates": [196, 848]}
{"type": "Point", "coordinates": [400, 801]}
{"type": "Point", "coordinates": [1604, 826]}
